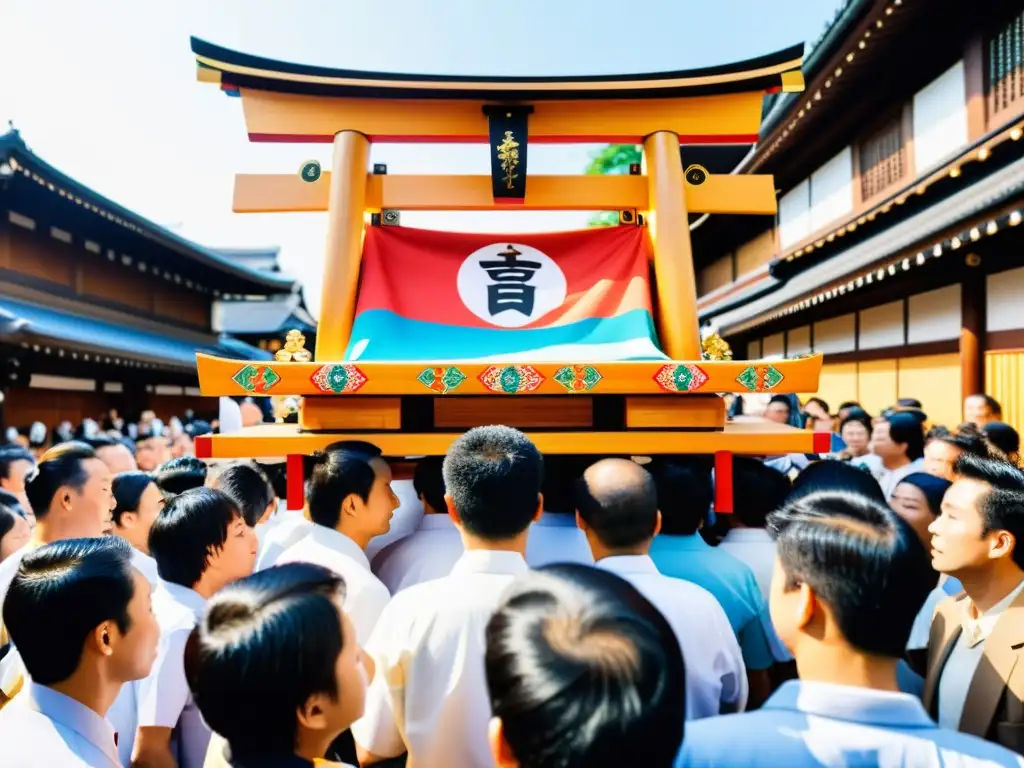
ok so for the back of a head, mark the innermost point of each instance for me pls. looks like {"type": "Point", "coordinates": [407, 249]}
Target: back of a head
{"type": "Point", "coordinates": [62, 465]}
{"type": "Point", "coordinates": [428, 482]}
{"type": "Point", "coordinates": [1004, 437]}
{"type": "Point", "coordinates": [249, 489]}
{"type": "Point", "coordinates": [342, 469]}
{"type": "Point", "coordinates": [969, 439]}
{"type": "Point", "coordinates": [757, 490]}
{"type": "Point", "coordinates": [494, 476]}
{"type": "Point", "coordinates": [584, 672]}
{"type": "Point", "coordinates": [182, 474]}
{"type": "Point", "coordinates": [61, 593]}
{"type": "Point", "coordinates": [266, 644]}
{"type": "Point", "coordinates": [835, 476]}
{"type": "Point", "coordinates": [907, 427]}
{"type": "Point", "coordinates": [618, 500]}
{"type": "Point", "coordinates": [185, 532]}
{"type": "Point", "coordinates": [9, 454]}
{"type": "Point", "coordinates": [13, 503]}
{"type": "Point", "coordinates": [685, 494]}
{"type": "Point", "coordinates": [861, 559]}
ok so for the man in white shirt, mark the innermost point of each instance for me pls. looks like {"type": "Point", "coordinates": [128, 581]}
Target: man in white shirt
{"type": "Point", "coordinates": [974, 678]}
{"type": "Point", "coordinates": [617, 509]}
{"type": "Point", "coordinates": [898, 441]}
{"type": "Point", "coordinates": [350, 501]}
{"type": "Point", "coordinates": [201, 543]}
{"type": "Point", "coordinates": [431, 551]}
{"type": "Point", "coordinates": [555, 538]}
{"type": "Point", "coordinates": [429, 696]}
{"type": "Point", "coordinates": [81, 615]}
{"type": "Point", "coordinates": [848, 580]}
{"type": "Point", "coordinates": [757, 491]}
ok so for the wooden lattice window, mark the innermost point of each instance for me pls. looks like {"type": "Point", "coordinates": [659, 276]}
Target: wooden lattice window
{"type": "Point", "coordinates": [1005, 67]}
{"type": "Point", "coordinates": [882, 160]}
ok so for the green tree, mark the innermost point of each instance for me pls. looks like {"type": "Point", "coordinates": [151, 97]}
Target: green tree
{"type": "Point", "coordinates": [613, 159]}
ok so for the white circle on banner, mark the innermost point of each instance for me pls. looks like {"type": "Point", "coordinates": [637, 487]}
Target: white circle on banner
{"type": "Point", "coordinates": [510, 284]}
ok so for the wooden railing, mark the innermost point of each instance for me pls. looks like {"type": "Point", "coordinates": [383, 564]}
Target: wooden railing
{"type": "Point", "coordinates": [883, 161]}
{"type": "Point", "coordinates": [1005, 70]}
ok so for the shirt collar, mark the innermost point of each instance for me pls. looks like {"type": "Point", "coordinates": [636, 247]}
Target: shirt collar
{"type": "Point", "coordinates": [748, 536]}
{"type": "Point", "coordinates": [627, 564]}
{"type": "Point", "coordinates": [186, 597]}
{"type": "Point", "coordinates": [556, 520]}
{"type": "Point", "coordinates": [977, 628]}
{"type": "Point", "coordinates": [74, 715]}
{"type": "Point", "coordinates": [436, 522]}
{"type": "Point", "coordinates": [501, 562]}
{"type": "Point", "coordinates": [691, 542]}
{"type": "Point", "coordinates": [340, 543]}
{"type": "Point", "coordinates": [851, 703]}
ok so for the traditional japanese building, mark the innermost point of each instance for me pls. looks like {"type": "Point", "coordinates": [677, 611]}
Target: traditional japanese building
{"type": "Point", "coordinates": [101, 308]}
{"type": "Point", "coordinates": [896, 249]}
{"type": "Point", "coordinates": [263, 321]}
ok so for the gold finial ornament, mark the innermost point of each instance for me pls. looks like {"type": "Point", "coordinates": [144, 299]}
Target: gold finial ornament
{"type": "Point", "coordinates": [508, 156]}
{"type": "Point", "coordinates": [294, 350]}
{"type": "Point", "coordinates": [716, 348]}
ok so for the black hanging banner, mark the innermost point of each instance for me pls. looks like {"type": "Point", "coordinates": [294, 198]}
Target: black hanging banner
{"type": "Point", "coordinates": [508, 138]}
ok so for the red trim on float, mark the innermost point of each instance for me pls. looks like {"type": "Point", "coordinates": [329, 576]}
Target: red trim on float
{"type": "Point", "coordinates": [204, 446]}
{"type": "Point", "coordinates": [296, 482]}
{"type": "Point", "coordinates": [723, 483]}
{"type": "Point", "coordinates": [822, 442]}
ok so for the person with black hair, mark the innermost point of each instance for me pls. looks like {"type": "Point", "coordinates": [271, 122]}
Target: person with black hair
{"type": "Point", "coordinates": [855, 430]}
{"type": "Point", "coordinates": [973, 681]}
{"type": "Point", "coordinates": [14, 532]}
{"type": "Point", "coordinates": [251, 491]}
{"type": "Point", "coordinates": [350, 501]}
{"type": "Point", "coordinates": [898, 441]}
{"type": "Point", "coordinates": [848, 579]}
{"type": "Point", "coordinates": [684, 494]}
{"type": "Point", "coordinates": [200, 543]}
{"type": "Point", "coordinates": [138, 502]}
{"type": "Point", "coordinates": [581, 671]}
{"type": "Point", "coordinates": [817, 417]}
{"type": "Point", "coordinates": [81, 615]}
{"type": "Point", "coordinates": [836, 476]}
{"type": "Point", "coordinates": [1005, 438]}
{"type": "Point", "coordinates": [428, 696]}
{"type": "Point", "coordinates": [845, 407]}
{"type": "Point", "coordinates": [275, 668]}
{"type": "Point", "coordinates": [182, 474]}
{"type": "Point", "coordinates": [432, 549]}
{"type": "Point", "coordinates": [554, 538]}
{"type": "Point", "coordinates": [779, 409]}
{"type": "Point", "coordinates": [112, 452]}
{"type": "Point", "coordinates": [19, 505]}
{"type": "Point", "coordinates": [151, 451]}
{"type": "Point", "coordinates": [617, 510]}
{"type": "Point", "coordinates": [942, 450]}
{"type": "Point", "coordinates": [16, 464]}
{"type": "Point", "coordinates": [980, 409]}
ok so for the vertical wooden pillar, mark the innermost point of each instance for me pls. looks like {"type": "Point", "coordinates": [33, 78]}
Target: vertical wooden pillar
{"type": "Point", "coordinates": [347, 203]}
{"type": "Point", "coordinates": [295, 482]}
{"type": "Point", "coordinates": [972, 332]}
{"type": "Point", "coordinates": [673, 257]}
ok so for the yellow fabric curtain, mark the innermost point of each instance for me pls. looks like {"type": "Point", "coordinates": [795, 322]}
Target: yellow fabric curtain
{"type": "Point", "coordinates": [1004, 380]}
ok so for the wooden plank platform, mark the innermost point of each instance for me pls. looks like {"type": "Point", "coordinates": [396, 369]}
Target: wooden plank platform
{"type": "Point", "coordinates": [748, 438]}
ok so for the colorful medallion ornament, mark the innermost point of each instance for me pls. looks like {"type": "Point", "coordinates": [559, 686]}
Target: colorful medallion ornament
{"type": "Point", "coordinates": [578, 378]}
{"type": "Point", "coordinates": [680, 378]}
{"type": "Point", "coordinates": [441, 380]}
{"type": "Point", "coordinates": [338, 379]}
{"type": "Point", "coordinates": [760, 378]}
{"type": "Point", "coordinates": [256, 378]}
{"type": "Point", "coordinates": [511, 379]}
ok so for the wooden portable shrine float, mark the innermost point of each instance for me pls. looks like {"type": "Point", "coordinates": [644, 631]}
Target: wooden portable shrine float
{"type": "Point", "coordinates": [380, 374]}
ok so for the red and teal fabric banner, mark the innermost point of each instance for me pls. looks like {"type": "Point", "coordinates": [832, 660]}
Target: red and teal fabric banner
{"type": "Point", "coordinates": [427, 296]}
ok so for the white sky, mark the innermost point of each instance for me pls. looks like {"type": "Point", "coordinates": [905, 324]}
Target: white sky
{"type": "Point", "coordinates": [105, 90]}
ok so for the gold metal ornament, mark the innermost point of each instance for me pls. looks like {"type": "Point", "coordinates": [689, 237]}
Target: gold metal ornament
{"type": "Point", "coordinates": [294, 350]}
{"type": "Point", "coordinates": [716, 348]}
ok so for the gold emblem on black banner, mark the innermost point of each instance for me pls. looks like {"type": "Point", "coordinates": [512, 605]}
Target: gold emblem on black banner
{"type": "Point", "coordinates": [508, 156]}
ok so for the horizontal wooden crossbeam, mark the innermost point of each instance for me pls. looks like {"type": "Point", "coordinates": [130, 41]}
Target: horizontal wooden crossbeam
{"type": "Point", "coordinates": [275, 193]}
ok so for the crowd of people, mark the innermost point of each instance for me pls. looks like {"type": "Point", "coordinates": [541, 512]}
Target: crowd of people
{"type": "Point", "coordinates": [859, 608]}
